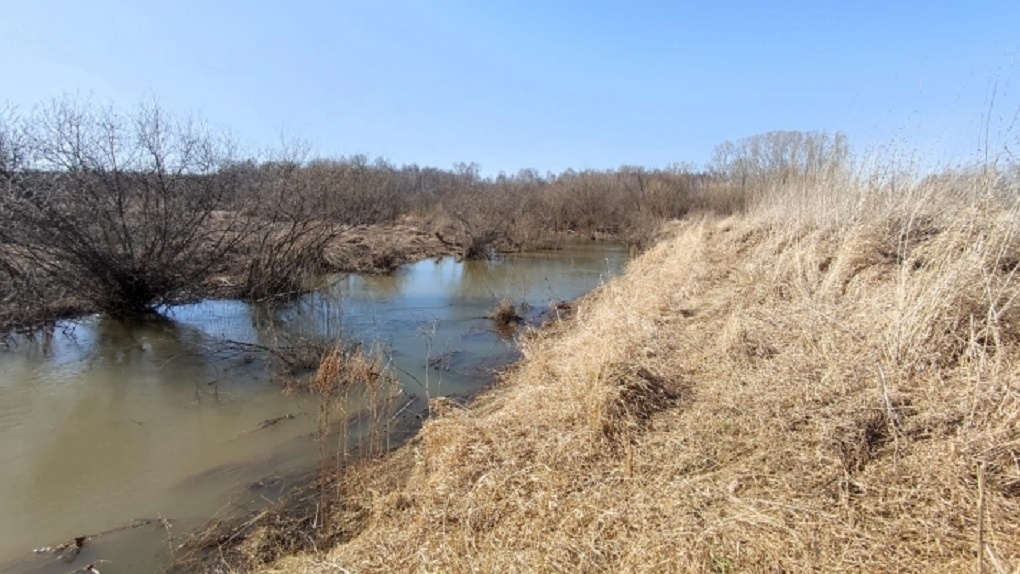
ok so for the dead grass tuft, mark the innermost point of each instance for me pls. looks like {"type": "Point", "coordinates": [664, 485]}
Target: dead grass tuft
{"type": "Point", "coordinates": [505, 315]}
{"type": "Point", "coordinates": [342, 369]}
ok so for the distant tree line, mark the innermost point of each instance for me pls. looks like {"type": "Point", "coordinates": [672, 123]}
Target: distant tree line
{"type": "Point", "coordinates": [132, 212]}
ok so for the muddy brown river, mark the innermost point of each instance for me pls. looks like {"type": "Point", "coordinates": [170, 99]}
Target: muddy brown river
{"type": "Point", "coordinates": [135, 434]}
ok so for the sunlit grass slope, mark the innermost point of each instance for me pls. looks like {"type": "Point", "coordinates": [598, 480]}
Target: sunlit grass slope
{"type": "Point", "coordinates": [829, 382]}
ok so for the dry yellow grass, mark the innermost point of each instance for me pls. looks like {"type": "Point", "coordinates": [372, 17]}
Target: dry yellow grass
{"type": "Point", "coordinates": [828, 383]}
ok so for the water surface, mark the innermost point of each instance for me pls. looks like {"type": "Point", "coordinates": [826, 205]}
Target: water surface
{"type": "Point", "coordinates": [111, 423]}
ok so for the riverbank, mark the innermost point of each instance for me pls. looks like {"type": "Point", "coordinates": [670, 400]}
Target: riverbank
{"type": "Point", "coordinates": [223, 411]}
{"type": "Point", "coordinates": [829, 382]}
{"type": "Point", "coordinates": [370, 249]}
{"type": "Point", "coordinates": [363, 249]}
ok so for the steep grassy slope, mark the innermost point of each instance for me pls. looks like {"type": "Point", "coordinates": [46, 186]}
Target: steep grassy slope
{"type": "Point", "coordinates": [828, 383]}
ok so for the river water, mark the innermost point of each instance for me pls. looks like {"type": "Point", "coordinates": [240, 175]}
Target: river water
{"type": "Point", "coordinates": [145, 431]}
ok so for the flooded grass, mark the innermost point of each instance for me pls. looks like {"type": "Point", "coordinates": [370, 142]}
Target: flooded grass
{"type": "Point", "coordinates": [361, 412]}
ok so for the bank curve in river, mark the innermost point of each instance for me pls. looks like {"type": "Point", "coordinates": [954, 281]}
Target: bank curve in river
{"type": "Point", "coordinates": [134, 435]}
{"type": "Point", "coordinates": [760, 393]}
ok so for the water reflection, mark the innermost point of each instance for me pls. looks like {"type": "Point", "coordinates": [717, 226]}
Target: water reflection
{"type": "Point", "coordinates": [155, 418]}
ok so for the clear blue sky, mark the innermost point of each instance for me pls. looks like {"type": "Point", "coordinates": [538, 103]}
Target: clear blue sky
{"type": "Point", "coordinates": [526, 83]}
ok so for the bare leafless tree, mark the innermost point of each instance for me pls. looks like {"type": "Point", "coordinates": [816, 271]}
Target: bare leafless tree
{"type": "Point", "coordinates": [122, 209]}
{"type": "Point", "coordinates": [777, 157]}
{"type": "Point", "coordinates": [293, 221]}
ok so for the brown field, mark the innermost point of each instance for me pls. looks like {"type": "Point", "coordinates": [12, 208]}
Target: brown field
{"type": "Point", "coordinates": [826, 383]}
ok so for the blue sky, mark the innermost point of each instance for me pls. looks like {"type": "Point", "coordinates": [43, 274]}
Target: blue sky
{"type": "Point", "coordinates": [542, 84]}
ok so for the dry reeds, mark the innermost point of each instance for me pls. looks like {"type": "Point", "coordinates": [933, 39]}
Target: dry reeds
{"type": "Point", "coordinates": [827, 383]}
{"type": "Point", "coordinates": [505, 316]}
{"type": "Point", "coordinates": [358, 395]}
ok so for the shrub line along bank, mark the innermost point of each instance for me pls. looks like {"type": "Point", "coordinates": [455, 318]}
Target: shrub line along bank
{"type": "Point", "coordinates": [127, 213]}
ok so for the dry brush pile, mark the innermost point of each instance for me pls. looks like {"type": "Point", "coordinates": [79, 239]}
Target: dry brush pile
{"type": "Point", "coordinates": [829, 383]}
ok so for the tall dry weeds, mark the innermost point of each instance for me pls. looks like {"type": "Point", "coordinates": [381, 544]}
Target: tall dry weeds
{"type": "Point", "coordinates": [358, 399]}
{"type": "Point", "coordinates": [827, 383]}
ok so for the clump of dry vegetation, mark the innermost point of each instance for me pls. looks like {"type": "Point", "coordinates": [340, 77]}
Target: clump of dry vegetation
{"type": "Point", "coordinates": [827, 382]}
{"type": "Point", "coordinates": [358, 394]}
{"type": "Point", "coordinates": [505, 316]}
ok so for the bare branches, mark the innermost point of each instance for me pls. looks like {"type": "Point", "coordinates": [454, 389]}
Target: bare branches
{"type": "Point", "coordinates": [131, 212]}
{"type": "Point", "coordinates": [775, 157]}
{"type": "Point", "coordinates": [119, 207]}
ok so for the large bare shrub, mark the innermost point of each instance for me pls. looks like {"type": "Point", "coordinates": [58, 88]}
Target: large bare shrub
{"type": "Point", "coordinates": [12, 150]}
{"type": "Point", "coordinates": [475, 216]}
{"type": "Point", "coordinates": [758, 165]}
{"type": "Point", "coordinates": [120, 209]}
{"type": "Point", "coordinates": [293, 220]}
